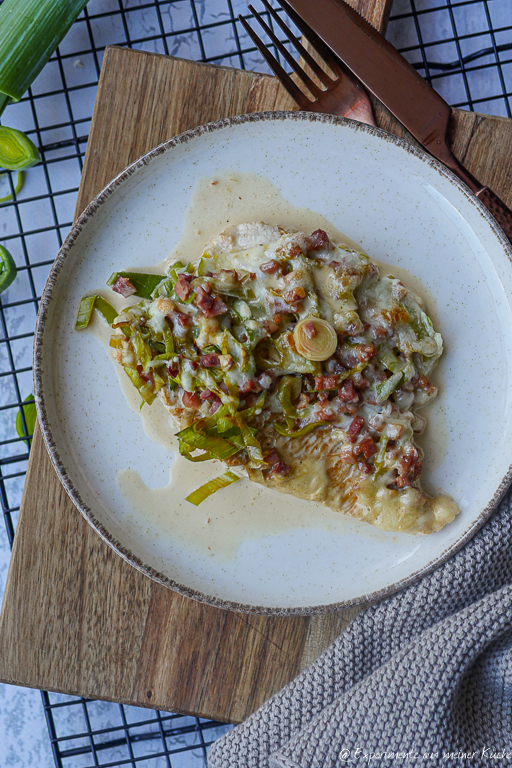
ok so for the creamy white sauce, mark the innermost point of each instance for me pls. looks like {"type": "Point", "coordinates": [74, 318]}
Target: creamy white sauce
{"type": "Point", "coordinates": [232, 198]}
{"type": "Point", "coordinates": [244, 510]}
{"type": "Point", "coordinates": [225, 520]}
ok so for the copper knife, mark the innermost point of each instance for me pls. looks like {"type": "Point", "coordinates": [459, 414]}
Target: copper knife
{"type": "Point", "coordinates": [390, 77]}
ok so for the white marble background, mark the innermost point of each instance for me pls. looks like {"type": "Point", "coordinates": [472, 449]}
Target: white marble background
{"type": "Point", "coordinates": [49, 195]}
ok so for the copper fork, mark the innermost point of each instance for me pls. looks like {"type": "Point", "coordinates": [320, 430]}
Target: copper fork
{"type": "Point", "coordinates": [339, 93]}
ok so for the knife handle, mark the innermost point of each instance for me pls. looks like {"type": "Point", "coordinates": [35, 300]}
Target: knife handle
{"type": "Point", "coordinates": [499, 210]}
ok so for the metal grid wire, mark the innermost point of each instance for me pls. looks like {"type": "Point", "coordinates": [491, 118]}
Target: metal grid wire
{"type": "Point", "coordinates": [464, 49]}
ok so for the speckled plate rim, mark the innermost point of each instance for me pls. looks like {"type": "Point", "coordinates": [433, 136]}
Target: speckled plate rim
{"type": "Point", "coordinates": [46, 429]}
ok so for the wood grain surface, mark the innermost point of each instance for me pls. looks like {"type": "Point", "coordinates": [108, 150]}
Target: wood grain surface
{"type": "Point", "coordinates": [76, 618]}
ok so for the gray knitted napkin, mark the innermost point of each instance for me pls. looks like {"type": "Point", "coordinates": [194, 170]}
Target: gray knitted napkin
{"type": "Point", "coordinates": [423, 678]}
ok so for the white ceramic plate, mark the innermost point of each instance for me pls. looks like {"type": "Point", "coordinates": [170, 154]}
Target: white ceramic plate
{"type": "Point", "coordinates": [405, 210]}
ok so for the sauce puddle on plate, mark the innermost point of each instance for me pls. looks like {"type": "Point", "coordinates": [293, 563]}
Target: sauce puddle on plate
{"type": "Point", "coordinates": [244, 510]}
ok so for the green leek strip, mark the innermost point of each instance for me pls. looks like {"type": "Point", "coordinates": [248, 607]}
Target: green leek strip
{"type": "Point", "coordinates": [211, 421]}
{"type": "Point", "coordinates": [223, 424]}
{"type": "Point", "coordinates": [159, 382]}
{"type": "Point", "coordinates": [299, 432]}
{"type": "Point", "coordinates": [292, 360]}
{"type": "Point", "coordinates": [381, 454]}
{"type": "Point", "coordinates": [244, 362]}
{"type": "Point", "coordinates": [356, 369]}
{"type": "Point", "coordinates": [237, 291]}
{"type": "Point", "coordinates": [145, 284]}
{"type": "Point", "coordinates": [252, 445]}
{"type": "Point", "coordinates": [289, 389]}
{"type": "Point", "coordinates": [141, 347]}
{"type": "Point", "coordinates": [17, 152]}
{"type": "Point", "coordinates": [105, 309]}
{"type": "Point", "coordinates": [155, 345]}
{"type": "Point", "coordinates": [420, 322]}
{"type": "Point", "coordinates": [389, 360]}
{"type": "Point", "coordinates": [164, 288]}
{"type": "Point", "coordinates": [249, 413]}
{"type": "Point", "coordinates": [87, 304]}
{"type": "Point", "coordinates": [232, 401]}
{"type": "Point", "coordinates": [217, 446]}
{"type": "Point", "coordinates": [228, 426]}
{"type": "Point", "coordinates": [20, 180]}
{"type": "Point", "coordinates": [202, 493]}
{"type": "Point", "coordinates": [254, 335]}
{"type": "Point", "coordinates": [85, 309]}
{"type": "Point", "coordinates": [8, 269]}
{"type": "Point", "coordinates": [185, 451]}
{"type": "Point", "coordinates": [30, 416]}
{"type": "Point", "coordinates": [393, 364]}
{"type": "Point", "coordinates": [31, 31]}
{"type": "Point", "coordinates": [263, 358]}
{"type": "Point", "coordinates": [385, 389]}
{"type": "Point", "coordinates": [169, 345]}
{"type": "Point", "coordinates": [173, 270]}
{"type": "Point", "coordinates": [204, 424]}
{"type": "Point", "coordinates": [146, 392]}
{"type": "Point", "coordinates": [201, 267]}
{"type": "Point", "coordinates": [234, 436]}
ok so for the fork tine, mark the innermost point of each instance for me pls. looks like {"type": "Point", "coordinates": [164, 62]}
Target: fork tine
{"type": "Point", "coordinates": [315, 90]}
{"type": "Point", "coordinates": [317, 69]}
{"type": "Point", "coordinates": [274, 65]}
{"type": "Point", "coordinates": [317, 43]}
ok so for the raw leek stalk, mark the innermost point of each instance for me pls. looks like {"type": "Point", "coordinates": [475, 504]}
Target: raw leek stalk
{"type": "Point", "coordinates": [20, 180]}
{"type": "Point", "coordinates": [8, 269]}
{"type": "Point", "coordinates": [31, 31]}
{"type": "Point", "coordinates": [17, 151]}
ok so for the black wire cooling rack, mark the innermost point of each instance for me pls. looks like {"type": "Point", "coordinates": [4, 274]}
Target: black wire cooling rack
{"type": "Point", "coordinates": [462, 47]}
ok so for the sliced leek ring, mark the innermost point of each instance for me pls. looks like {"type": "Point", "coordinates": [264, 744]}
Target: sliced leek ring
{"type": "Point", "coordinates": [320, 345]}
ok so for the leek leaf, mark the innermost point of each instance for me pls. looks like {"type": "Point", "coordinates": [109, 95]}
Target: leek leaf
{"type": "Point", "coordinates": [87, 304]}
{"type": "Point", "coordinates": [85, 309]}
{"type": "Point", "coordinates": [381, 453]}
{"type": "Point", "coordinates": [30, 416]}
{"type": "Point", "coordinates": [385, 389]}
{"type": "Point", "coordinates": [299, 432]}
{"type": "Point", "coordinates": [145, 284]}
{"type": "Point", "coordinates": [145, 391]}
{"type": "Point", "coordinates": [202, 493]}
{"type": "Point", "coordinates": [8, 269]}
{"type": "Point", "coordinates": [288, 390]}
{"type": "Point", "coordinates": [219, 447]}
{"type": "Point", "coordinates": [105, 309]}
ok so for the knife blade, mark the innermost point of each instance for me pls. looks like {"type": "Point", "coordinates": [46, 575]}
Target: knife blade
{"type": "Point", "coordinates": [390, 77]}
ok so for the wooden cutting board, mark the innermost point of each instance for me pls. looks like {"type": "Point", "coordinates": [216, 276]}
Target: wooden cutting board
{"type": "Point", "coordinates": [78, 619]}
